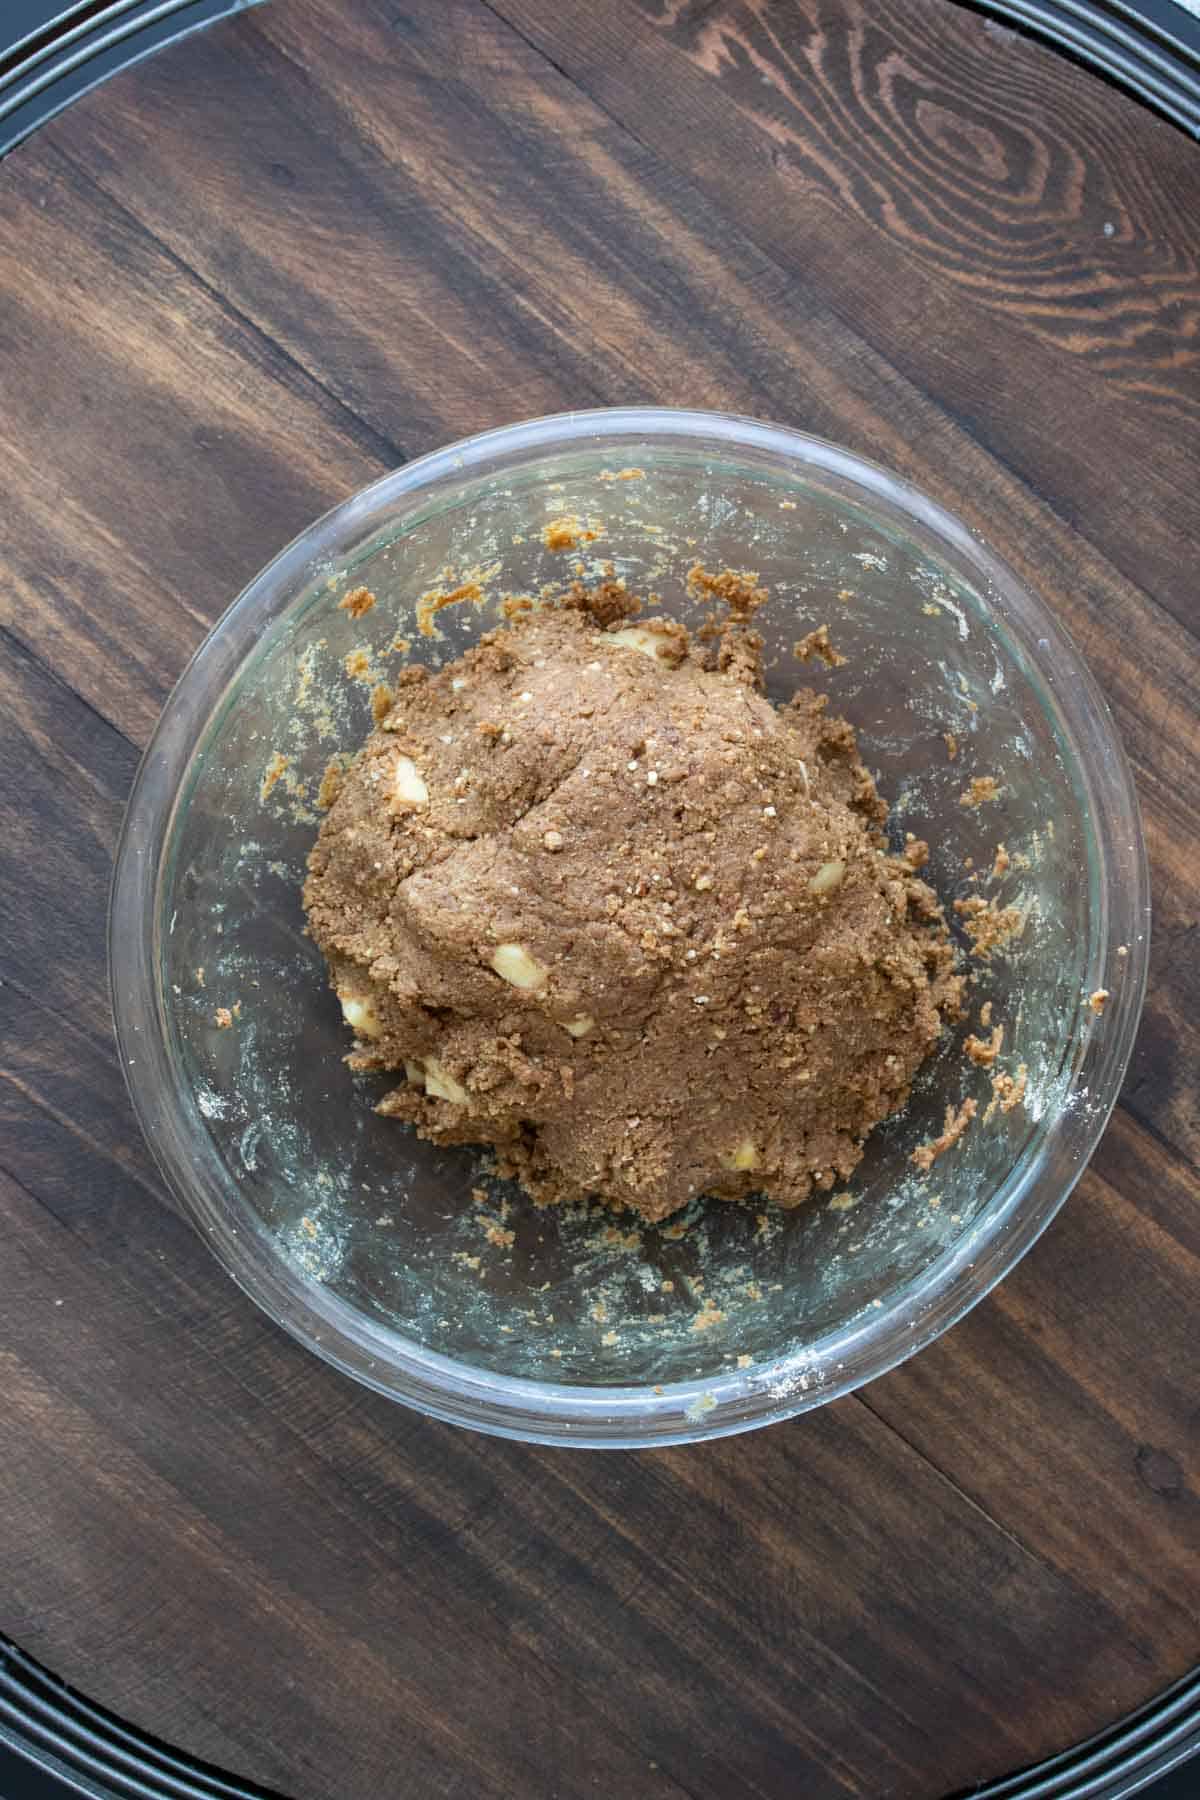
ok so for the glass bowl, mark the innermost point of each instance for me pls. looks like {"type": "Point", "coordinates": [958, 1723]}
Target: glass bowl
{"type": "Point", "coordinates": [371, 1246]}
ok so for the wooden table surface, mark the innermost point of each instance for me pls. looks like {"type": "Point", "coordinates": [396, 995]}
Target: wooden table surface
{"type": "Point", "coordinates": [236, 284]}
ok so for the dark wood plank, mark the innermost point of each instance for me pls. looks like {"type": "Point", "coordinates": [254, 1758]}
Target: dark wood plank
{"type": "Point", "coordinates": [194, 1561]}
{"type": "Point", "coordinates": [693, 1601]}
{"type": "Point", "coordinates": [241, 281]}
{"type": "Point", "coordinates": [114, 578]}
{"type": "Point", "coordinates": [634, 246]}
{"type": "Point", "coordinates": [71, 771]}
{"type": "Point", "coordinates": [1055, 1341]}
{"type": "Point", "coordinates": [1038, 254]}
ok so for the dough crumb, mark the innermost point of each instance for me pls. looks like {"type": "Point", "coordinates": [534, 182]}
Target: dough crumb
{"type": "Point", "coordinates": [498, 1234]}
{"type": "Point", "coordinates": [224, 1018]}
{"type": "Point", "coordinates": [569, 533]}
{"type": "Point", "coordinates": [332, 779]}
{"type": "Point", "coordinates": [736, 589]}
{"type": "Point", "coordinates": [982, 788]}
{"type": "Point", "coordinates": [816, 644]}
{"type": "Point", "coordinates": [469, 592]}
{"type": "Point", "coordinates": [358, 601]}
{"type": "Point", "coordinates": [983, 1052]}
{"type": "Point", "coordinates": [956, 1122]}
{"type": "Point", "coordinates": [989, 927]}
{"type": "Point", "coordinates": [273, 774]}
{"type": "Point", "coordinates": [1099, 1000]}
{"type": "Point", "coordinates": [1008, 1091]}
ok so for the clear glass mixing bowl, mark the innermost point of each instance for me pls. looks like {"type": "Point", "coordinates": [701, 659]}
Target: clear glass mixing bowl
{"type": "Point", "coordinates": [365, 1243]}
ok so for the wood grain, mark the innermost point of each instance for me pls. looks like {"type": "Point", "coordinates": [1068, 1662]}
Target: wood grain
{"type": "Point", "coordinates": [236, 284]}
{"type": "Point", "coordinates": [761, 337]}
{"type": "Point", "coordinates": [993, 176]}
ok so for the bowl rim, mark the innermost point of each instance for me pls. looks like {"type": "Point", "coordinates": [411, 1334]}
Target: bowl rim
{"type": "Point", "coordinates": [718, 1404]}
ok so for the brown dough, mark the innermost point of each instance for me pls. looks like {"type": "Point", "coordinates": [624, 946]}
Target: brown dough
{"type": "Point", "coordinates": [622, 919]}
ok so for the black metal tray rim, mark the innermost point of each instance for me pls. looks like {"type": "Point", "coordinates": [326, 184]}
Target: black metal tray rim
{"type": "Point", "coordinates": [95, 1754]}
{"type": "Point", "coordinates": [1151, 48]}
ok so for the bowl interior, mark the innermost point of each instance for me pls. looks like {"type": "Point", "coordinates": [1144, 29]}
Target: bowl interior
{"type": "Point", "coordinates": [421, 1246]}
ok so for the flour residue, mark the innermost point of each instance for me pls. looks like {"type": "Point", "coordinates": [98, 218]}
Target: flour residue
{"type": "Point", "coordinates": [367, 1214]}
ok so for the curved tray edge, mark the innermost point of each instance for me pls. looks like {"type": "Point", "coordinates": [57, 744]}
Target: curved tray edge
{"type": "Point", "coordinates": [75, 52]}
{"type": "Point", "coordinates": [94, 1754]}
{"type": "Point", "coordinates": [1153, 50]}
